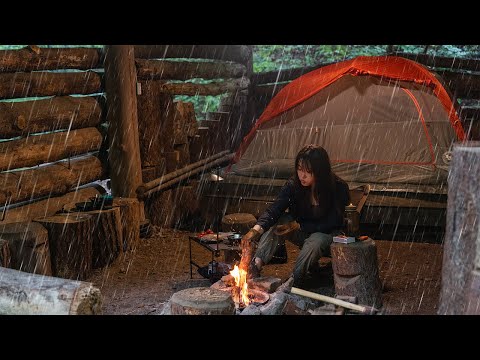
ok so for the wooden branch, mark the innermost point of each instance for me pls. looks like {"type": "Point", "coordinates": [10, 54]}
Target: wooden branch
{"type": "Point", "coordinates": [49, 59]}
{"type": "Point", "coordinates": [236, 53]}
{"type": "Point", "coordinates": [443, 62]}
{"type": "Point", "coordinates": [55, 179]}
{"type": "Point", "coordinates": [35, 150]}
{"type": "Point", "coordinates": [175, 70]}
{"type": "Point", "coordinates": [130, 221]}
{"type": "Point", "coordinates": [124, 148]}
{"type": "Point", "coordinates": [70, 240]}
{"type": "Point", "coordinates": [216, 88]}
{"type": "Point", "coordinates": [19, 85]}
{"type": "Point", "coordinates": [26, 294]}
{"type": "Point", "coordinates": [57, 113]}
{"type": "Point", "coordinates": [47, 207]}
{"type": "Point", "coordinates": [28, 243]}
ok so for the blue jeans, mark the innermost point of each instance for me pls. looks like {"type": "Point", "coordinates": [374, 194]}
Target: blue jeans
{"type": "Point", "coordinates": [312, 246]}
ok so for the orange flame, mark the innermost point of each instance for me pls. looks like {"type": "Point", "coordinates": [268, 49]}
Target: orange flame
{"type": "Point", "coordinates": [240, 296]}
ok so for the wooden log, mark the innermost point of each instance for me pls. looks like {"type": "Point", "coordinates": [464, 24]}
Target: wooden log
{"type": "Point", "coordinates": [213, 88]}
{"type": "Point", "coordinates": [5, 257]}
{"type": "Point", "coordinates": [443, 61]}
{"type": "Point", "coordinates": [124, 149]}
{"type": "Point", "coordinates": [130, 221]}
{"type": "Point", "coordinates": [70, 239]}
{"type": "Point", "coordinates": [28, 242]}
{"type": "Point", "coordinates": [186, 202]}
{"type": "Point", "coordinates": [107, 241]}
{"type": "Point", "coordinates": [26, 294]}
{"type": "Point", "coordinates": [185, 124]}
{"type": "Point", "coordinates": [202, 301]}
{"type": "Point", "coordinates": [461, 84]}
{"type": "Point", "coordinates": [49, 59]}
{"type": "Point", "coordinates": [159, 208]}
{"type": "Point", "coordinates": [278, 76]}
{"type": "Point", "coordinates": [355, 268]}
{"type": "Point", "coordinates": [175, 70]}
{"type": "Point", "coordinates": [156, 113]}
{"type": "Point", "coordinates": [19, 85]}
{"type": "Point", "coordinates": [55, 179]}
{"type": "Point", "coordinates": [461, 245]}
{"type": "Point", "coordinates": [154, 172]}
{"type": "Point", "coordinates": [236, 53]}
{"type": "Point", "coordinates": [36, 150]}
{"type": "Point", "coordinates": [57, 113]}
{"type": "Point", "coordinates": [48, 206]}
{"type": "Point", "coordinates": [178, 158]}
{"type": "Point", "coordinates": [268, 91]}
{"type": "Point", "coordinates": [238, 222]}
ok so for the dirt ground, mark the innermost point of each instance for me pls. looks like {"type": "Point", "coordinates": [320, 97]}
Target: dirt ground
{"type": "Point", "coordinates": [142, 281]}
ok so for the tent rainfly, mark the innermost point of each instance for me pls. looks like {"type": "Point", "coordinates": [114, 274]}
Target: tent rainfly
{"type": "Point", "coordinates": [382, 119]}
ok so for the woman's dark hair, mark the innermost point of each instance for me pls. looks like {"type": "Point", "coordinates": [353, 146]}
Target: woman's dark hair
{"type": "Point", "coordinates": [315, 159]}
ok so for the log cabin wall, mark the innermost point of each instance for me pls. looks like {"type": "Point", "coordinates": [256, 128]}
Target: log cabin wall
{"type": "Point", "coordinates": [51, 121]}
{"type": "Point", "coordinates": [460, 76]}
{"type": "Point", "coordinates": [171, 137]}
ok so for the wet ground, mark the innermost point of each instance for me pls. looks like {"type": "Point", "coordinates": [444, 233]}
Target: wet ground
{"type": "Point", "coordinates": [142, 281]}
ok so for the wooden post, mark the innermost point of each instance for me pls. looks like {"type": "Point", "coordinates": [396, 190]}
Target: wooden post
{"type": "Point", "coordinates": [462, 236]}
{"type": "Point", "coordinates": [120, 85]}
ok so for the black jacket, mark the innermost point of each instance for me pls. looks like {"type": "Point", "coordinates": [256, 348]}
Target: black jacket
{"type": "Point", "coordinates": [306, 216]}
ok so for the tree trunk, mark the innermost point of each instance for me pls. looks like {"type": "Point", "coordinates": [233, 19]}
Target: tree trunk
{"type": "Point", "coordinates": [5, 257]}
{"type": "Point", "coordinates": [70, 239]}
{"type": "Point", "coordinates": [107, 241]}
{"type": "Point", "coordinates": [236, 53]}
{"type": "Point", "coordinates": [462, 242]}
{"type": "Point", "coordinates": [55, 179]}
{"type": "Point", "coordinates": [124, 151]}
{"type": "Point", "coordinates": [49, 59]}
{"type": "Point", "coordinates": [202, 301]}
{"type": "Point", "coordinates": [48, 206]}
{"type": "Point", "coordinates": [214, 88]}
{"type": "Point", "coordinates": [27, 294]}
{"type": "Point", "coordinates": [175, 70]}
{"type": "Point", "coordinates": [155, 123]}
{"type": "Point", "coordinates": [355, 268]}
{"type": "Point", "coordinates": [19, 85]}
{"type": "Point", "coordinates": [36, 150]}
{"type": "Point", "coordinates": [57, 113]}
{"type": "Point", "coordinates": [28, 242]}
{"type": "Point", "coordinates": [130, 221]}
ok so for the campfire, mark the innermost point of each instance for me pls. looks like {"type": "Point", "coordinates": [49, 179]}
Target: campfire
{"type": "Point", "coordinates": [240, 290]}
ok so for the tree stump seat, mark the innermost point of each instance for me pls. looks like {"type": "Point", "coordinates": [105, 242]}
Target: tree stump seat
{"type": "Point", "coordinates": [355, 271]}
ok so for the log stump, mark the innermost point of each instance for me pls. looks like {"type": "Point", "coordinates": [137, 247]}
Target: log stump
{"type": "Point", "coordinates": [107, 241]}
{"type": "Point", "coordinates": [130, 221]}
{"type": "Point", "coordinates": [70, 238]}
{"type": "Point", "coordinates": [29, 247]}
{"type": "Point", "coordinates": [27, 294]}
{"type": "Point", "coordinates": [355, 268]}
{"type": "Point", "coordinates": [202, 301]}
{"type": "Point", "coordinates": [5, 257]}
{"type": "Point", "coordinates": [238, 222]}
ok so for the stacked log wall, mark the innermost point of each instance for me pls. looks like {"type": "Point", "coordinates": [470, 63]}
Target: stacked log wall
{"type": "Point", "coordinates": [171, 137]}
